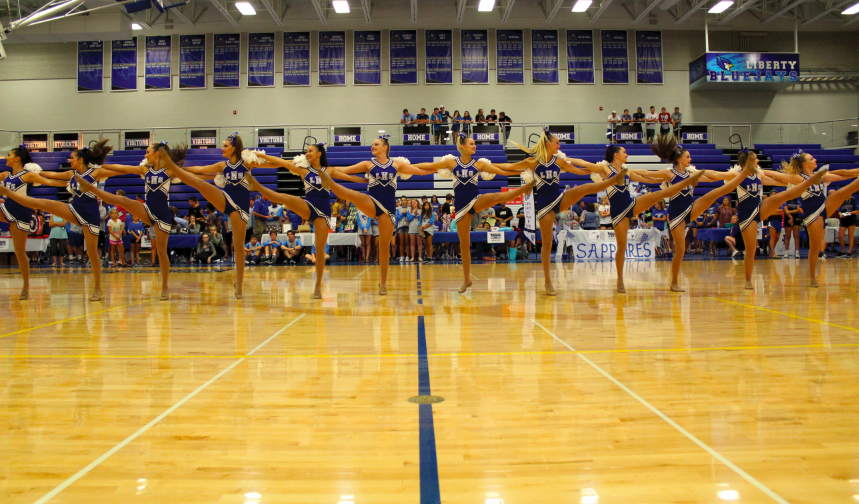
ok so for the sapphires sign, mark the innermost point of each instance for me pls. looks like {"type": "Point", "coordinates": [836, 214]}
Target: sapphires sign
{"type": "Point", "coordinates": [751, 68]}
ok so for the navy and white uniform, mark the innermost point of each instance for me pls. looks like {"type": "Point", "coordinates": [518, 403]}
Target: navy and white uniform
{"type": "Point", "coordinates": [382, 187]}
{"type": "Point", "coordinates": [158, 198]}
{"type": "Point", "coordinates": [14, 212]}
{"type": "Point", "coordinates": [547, 189]}
{"type": "Point", "coordinates": [813, 201]}
{"type": "Point", "coordinates": [749, 201]}
{"type": "Point", "coordinates": [317, 197]}
{"type": "Point", "coordinates": [85, 205]}
{"type": "Point", "coordinates": [619, 197]}
{"type": "Point", "coordinates": [236, 190]}
{"type": "Point", "coordinates": [680, 206]}
{"type": "Point", "coordinates": [465, 191]}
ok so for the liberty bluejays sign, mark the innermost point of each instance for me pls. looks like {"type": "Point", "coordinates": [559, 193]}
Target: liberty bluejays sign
{"type": "Point", "coordinates": [751, 68]}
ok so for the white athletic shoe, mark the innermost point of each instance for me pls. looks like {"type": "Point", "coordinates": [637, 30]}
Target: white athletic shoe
{"type": "Point", "coordinates": [786, 256]}
{"type": "Point", "coordinates": [734, 254]}
{"type": "Point", "coordinates": [797, 255]}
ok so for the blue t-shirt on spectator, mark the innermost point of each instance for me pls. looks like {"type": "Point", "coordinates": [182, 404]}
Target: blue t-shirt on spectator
{"type": "Point", "coordinates": [314, 248]}
{"type": "Point", "coordinates": [660, 225]}
{"type": "Point", "coordinates": [261, 208]}
{"type": "Point", "coordinates": [266, 240]}
{"type": "Point", "coordinates": [294, 219]}
{"type": "Point", "coordinates": [136, 228]}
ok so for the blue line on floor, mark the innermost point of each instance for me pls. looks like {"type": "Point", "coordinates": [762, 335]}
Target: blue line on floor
{"type": "Point", "coordinates": [430, 493]}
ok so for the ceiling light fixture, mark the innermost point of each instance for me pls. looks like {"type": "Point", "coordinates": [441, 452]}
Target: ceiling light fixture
{"type": "Point", "coordinates": [341, 6]}
{"type": "Point", "coordinates": [246, 8]}
{"type": "Point", "coordinates": [486, 5]}
{"type": "Point", "coordinates": [135, 26]}
{"type": "Point", "coordinates": [853, 9]}
{"type": "Point", "coordinates": [721, 7]}
{"type": "Point", "coordinates": [582, 5]}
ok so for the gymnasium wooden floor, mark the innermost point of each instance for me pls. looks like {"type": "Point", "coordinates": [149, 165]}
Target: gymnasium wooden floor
{"type": "Point", "coordinates": [715, 395]}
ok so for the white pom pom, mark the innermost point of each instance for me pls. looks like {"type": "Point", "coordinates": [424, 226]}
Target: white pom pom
{"type": "Point", "coordinates": [404, 176]}
{"type": "Point", "coordinates": [32, 168]}
{"type": "Point", "coordinates": [691, 169]}
{"type": "Point", "coordinates": [736, 168]}
{"type": "Point", "coordinates": [562, 155]}
{"type": "Point", "coordinates": [596, 177]}
{"type": "Point", "coordinates": [528, 176]}
{"type": "Point", "coordinates": [144, 162]}
{"type": "Point", "coordinates": [448, 156]}
{"type": "Point", "coordinates": [445, 173]}
{"type": "Point", "coordinates": [177, 180]}
{"type": "Point", "coordinates": [487, 175]}
{"type": "Point", "coordinates": [301, 161]}
{"type": "Point", "coordinates": [94, 166]}
{"type": "Point", "coordinates": [402, 160]}
{"type": "Point", "coordinates": [249, 156]}
{"type": "Point", "coordinates": [220, 181]}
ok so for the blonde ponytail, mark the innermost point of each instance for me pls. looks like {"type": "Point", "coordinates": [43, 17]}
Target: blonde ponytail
{"type": "Point", "coordinates": [539, 151]}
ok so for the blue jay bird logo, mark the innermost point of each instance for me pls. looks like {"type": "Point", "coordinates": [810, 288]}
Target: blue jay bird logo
{"type": "Point", "coordinates": [724, 63]}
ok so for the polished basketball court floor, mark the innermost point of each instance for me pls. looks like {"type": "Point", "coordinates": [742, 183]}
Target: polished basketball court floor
{"type": "Point", "coordinates": [714, 395]}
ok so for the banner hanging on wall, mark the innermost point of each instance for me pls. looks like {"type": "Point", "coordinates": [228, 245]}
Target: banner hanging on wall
{"type": "Point", "coordinates": [192, 61]}
{"type": "Point", "coordinates": [763, 71]}
{"type": "Point", "coordinates": [439, 57]}
{"type": "Point", "coordinates": [509, 57]}
{"type": "Point", "coordinates": [66, 142]}
{"type": "Point", "coordinates": [123, 65]}
{"type": "Point", "coordinates": [296, 58]}
{"type": "Point", "coordinates": [648, 57]}
{"type": "Point", "coordinates": [404, 56]}
{"type": "Point", "coordinates": [367, 58]}
{"type": "Point", "coordinates": [90, 66]}
{"type": "Point", "coordinates": [580, 56]}
{"type": "Point", "coordinates": [474, 45]}
{"type": "Point", "coordinates": [228, 48]}
{"type": "Point", "coordinates": [157, 69]}
{"type": "Point", "coordinates": [544, 56]}
{"type": "Point", "coordinates": [332, 58]}
{"type": "Point", "coordinates": [260, 59]}
{"type": "Point", "coordinates": [615, 57]}
{"type": "Point", "coordinates": [36, 142]}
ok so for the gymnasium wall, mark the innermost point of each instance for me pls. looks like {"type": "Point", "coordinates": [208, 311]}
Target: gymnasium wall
{"type": "Point", "coordinates": [38, 90]}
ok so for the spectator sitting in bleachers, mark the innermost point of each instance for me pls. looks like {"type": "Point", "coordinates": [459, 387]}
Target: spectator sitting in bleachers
{"type": "Point", "coordinates": [218, 242]}
{"type": "Point", "coordinates": [193, 226]}
{"type": "Point", "coordinates": [292, 247]}
{"type": "Point", "coordinates": [253, 249]}
{"type": "Point", "coordinates": [194, 209]}
{"type": "Point", "coordinates": [213, 216]}
{"type": "Point", "coordinates": [206, 252]}
{"type": "Point", "coordinates": [273, 249]}
{"type": "Point", "coordinates": [178, 222]}
{"type": "Point", "coordinates": [311, 257]}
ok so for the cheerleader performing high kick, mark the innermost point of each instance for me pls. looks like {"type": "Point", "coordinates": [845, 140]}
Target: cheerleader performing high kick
{"type": "Point", "coordinates": [467, 199]}
{"type": "Point", "coordinates": [25, 174]}
{"type": "Point", "coordinates": [380, 204]}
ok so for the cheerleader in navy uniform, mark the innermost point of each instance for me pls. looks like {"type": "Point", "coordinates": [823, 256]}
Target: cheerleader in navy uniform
{"type": "Point", "coordinates": [816, 205]}
{"type": "Point", "coordinates": [316, 205]}
{"type": "Point", "coordinates": [234, 200]}
{"type": "Point", "coordinates": [684, 208]}
{"type": "Point", "coordinates": [380, 204]}
{"type": "Point", "coordinates": [621, 203]}
{"type": "Point", "coordinates": [83, 208]}
{"type": "Point", "coordinates": [545, 166]}
{"type": "Point", "coordinates": [751, 209]}
{"type": "Point", "coordinates": [24, 173]}
{"type": "Point", "coordinates": [467, 200]}
{"type": "Point", "coordinates": [156, 211]}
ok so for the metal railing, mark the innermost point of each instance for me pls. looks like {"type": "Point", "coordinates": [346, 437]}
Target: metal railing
{"type": "Point", "coordinates": [829, 134]}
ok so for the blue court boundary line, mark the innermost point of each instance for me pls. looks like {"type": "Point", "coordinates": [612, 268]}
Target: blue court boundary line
{"type": "Point", "coordinates": [430, 492]}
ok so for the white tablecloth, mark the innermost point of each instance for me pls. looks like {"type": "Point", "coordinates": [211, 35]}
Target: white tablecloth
{"type": "Point", "coordinates": [33, 245]}
{"type": "Point", "coordinates": [334, 239]}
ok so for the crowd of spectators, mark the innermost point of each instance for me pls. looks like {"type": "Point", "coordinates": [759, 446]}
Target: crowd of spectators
{"type": "Point", "coordinates": [445, 125]}
{"type": "Point", "coordinates": [667, 123]}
